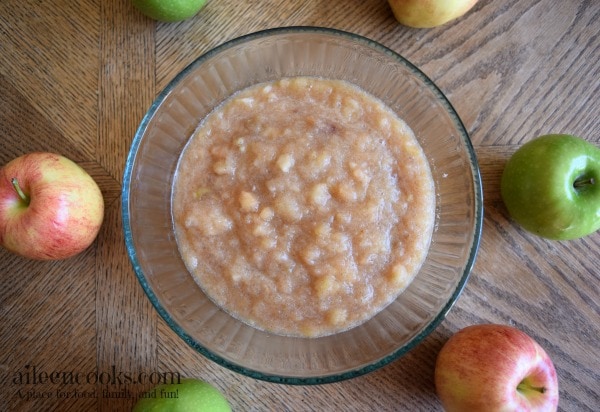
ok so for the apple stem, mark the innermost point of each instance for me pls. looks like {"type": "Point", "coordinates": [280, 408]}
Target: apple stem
{"type": "Point", "coordinates": [525, 386]}
{"type": "Point", "coordinates": [19, 191]}
{"type": "Point", "coordinates": [583, 181]}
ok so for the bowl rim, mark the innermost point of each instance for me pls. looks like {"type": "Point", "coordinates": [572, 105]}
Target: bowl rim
{"type": "Point", "coordinates": [358, 371]}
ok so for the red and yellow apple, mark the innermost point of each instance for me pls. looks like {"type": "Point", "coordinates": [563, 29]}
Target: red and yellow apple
{"type": "Point", "coordinates": [429, 13]}
{"type": "Point", "coordinates": [495, 368]}
{"type": "Point", "coordinates": [50, 207]}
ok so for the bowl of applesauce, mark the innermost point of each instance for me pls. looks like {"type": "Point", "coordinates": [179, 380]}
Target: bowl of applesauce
{"type": "Point", "coordinates": [302, 205]}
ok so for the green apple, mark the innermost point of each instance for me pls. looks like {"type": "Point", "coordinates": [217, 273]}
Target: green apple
{"type": "Point", "coordinates": [189, 395]}
{"type": "Point", "coordinates": [551, 187]}
{"type": "Point", "coordinates": [429, 13]}
{"type": "Point", "coordinates": [169, 10]}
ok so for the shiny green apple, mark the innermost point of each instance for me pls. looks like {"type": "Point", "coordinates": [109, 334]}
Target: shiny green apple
{"type": "Point", "coordinates": [169, 10]}
{"type": "Point", "coordinates": [551, 187]}
{"type": "Point", "coordinates": [188, 395]}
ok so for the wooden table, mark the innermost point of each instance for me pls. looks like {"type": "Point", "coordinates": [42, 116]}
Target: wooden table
{"type": "Point", "coordinates": [77, 76]}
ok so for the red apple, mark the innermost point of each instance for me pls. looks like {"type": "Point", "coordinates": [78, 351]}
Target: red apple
{"type": "Point", "coordinates": [50, 208]}
{"type": "Point", "coordinates": [495, 368]}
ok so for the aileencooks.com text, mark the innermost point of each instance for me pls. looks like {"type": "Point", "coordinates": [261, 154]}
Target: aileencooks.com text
{"type": "Point", "coordinates": [33, 375]}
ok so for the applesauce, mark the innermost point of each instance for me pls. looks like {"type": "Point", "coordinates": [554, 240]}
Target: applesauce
{"type": "Point", "coordinates": [303, 206]}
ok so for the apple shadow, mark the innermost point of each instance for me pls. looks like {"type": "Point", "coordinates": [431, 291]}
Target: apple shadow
{"type": "Point", "coordinates": [411, 377]}
{"type": "Point", "coordinates": [492, 160]}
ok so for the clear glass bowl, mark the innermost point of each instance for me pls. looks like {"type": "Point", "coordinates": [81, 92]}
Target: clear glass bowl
{"type": "Point", "coordinates": [270, 55]}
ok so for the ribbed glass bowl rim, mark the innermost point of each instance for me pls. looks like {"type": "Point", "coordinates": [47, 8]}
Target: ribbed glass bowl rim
{"type": "Point", "coordinates": [361, 370]}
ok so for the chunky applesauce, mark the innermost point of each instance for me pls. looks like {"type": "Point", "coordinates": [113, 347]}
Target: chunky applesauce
{"type": "Point", "coordinates": [303, 206]}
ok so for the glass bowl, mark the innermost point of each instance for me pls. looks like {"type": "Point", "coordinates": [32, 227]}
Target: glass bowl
{"type": "Point", "coordinates": [266, 56]}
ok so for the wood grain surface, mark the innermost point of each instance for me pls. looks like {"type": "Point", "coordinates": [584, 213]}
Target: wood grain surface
{"type": "Point", "coordinates": [77, 76]}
